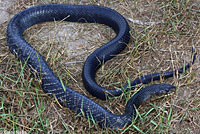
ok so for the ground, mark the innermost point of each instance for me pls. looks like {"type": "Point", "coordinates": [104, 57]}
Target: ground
{"type": "Point", "coordinates": [25, 108]}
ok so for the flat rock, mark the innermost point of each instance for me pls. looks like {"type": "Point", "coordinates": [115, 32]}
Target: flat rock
{"type": "Point", "coordinates": [4, 5]}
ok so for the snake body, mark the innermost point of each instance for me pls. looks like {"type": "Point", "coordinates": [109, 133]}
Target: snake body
{"type": "Point", "coordinates": [66, 96]}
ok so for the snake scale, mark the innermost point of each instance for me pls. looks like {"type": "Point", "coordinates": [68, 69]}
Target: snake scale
{"type": "Point", "coordinates": [66, 96]}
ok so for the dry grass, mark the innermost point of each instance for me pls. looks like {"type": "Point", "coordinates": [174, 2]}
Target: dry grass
{"type": "Point", "coordinates": [157, 48]}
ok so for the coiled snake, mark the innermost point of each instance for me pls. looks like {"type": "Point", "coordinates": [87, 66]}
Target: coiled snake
{"type": "Point", "coordinates": [66, 96]}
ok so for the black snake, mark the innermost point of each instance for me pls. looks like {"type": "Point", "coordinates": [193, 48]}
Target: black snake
{"type": "Point", "coordinates": [66, 96]}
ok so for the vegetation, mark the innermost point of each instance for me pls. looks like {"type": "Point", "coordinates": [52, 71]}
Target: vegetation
{"type": "Point", "coordinates": [24, 107]}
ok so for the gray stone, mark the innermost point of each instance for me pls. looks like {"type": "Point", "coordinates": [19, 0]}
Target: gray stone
{"type": "Point", "coordinates": [4, 5]}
